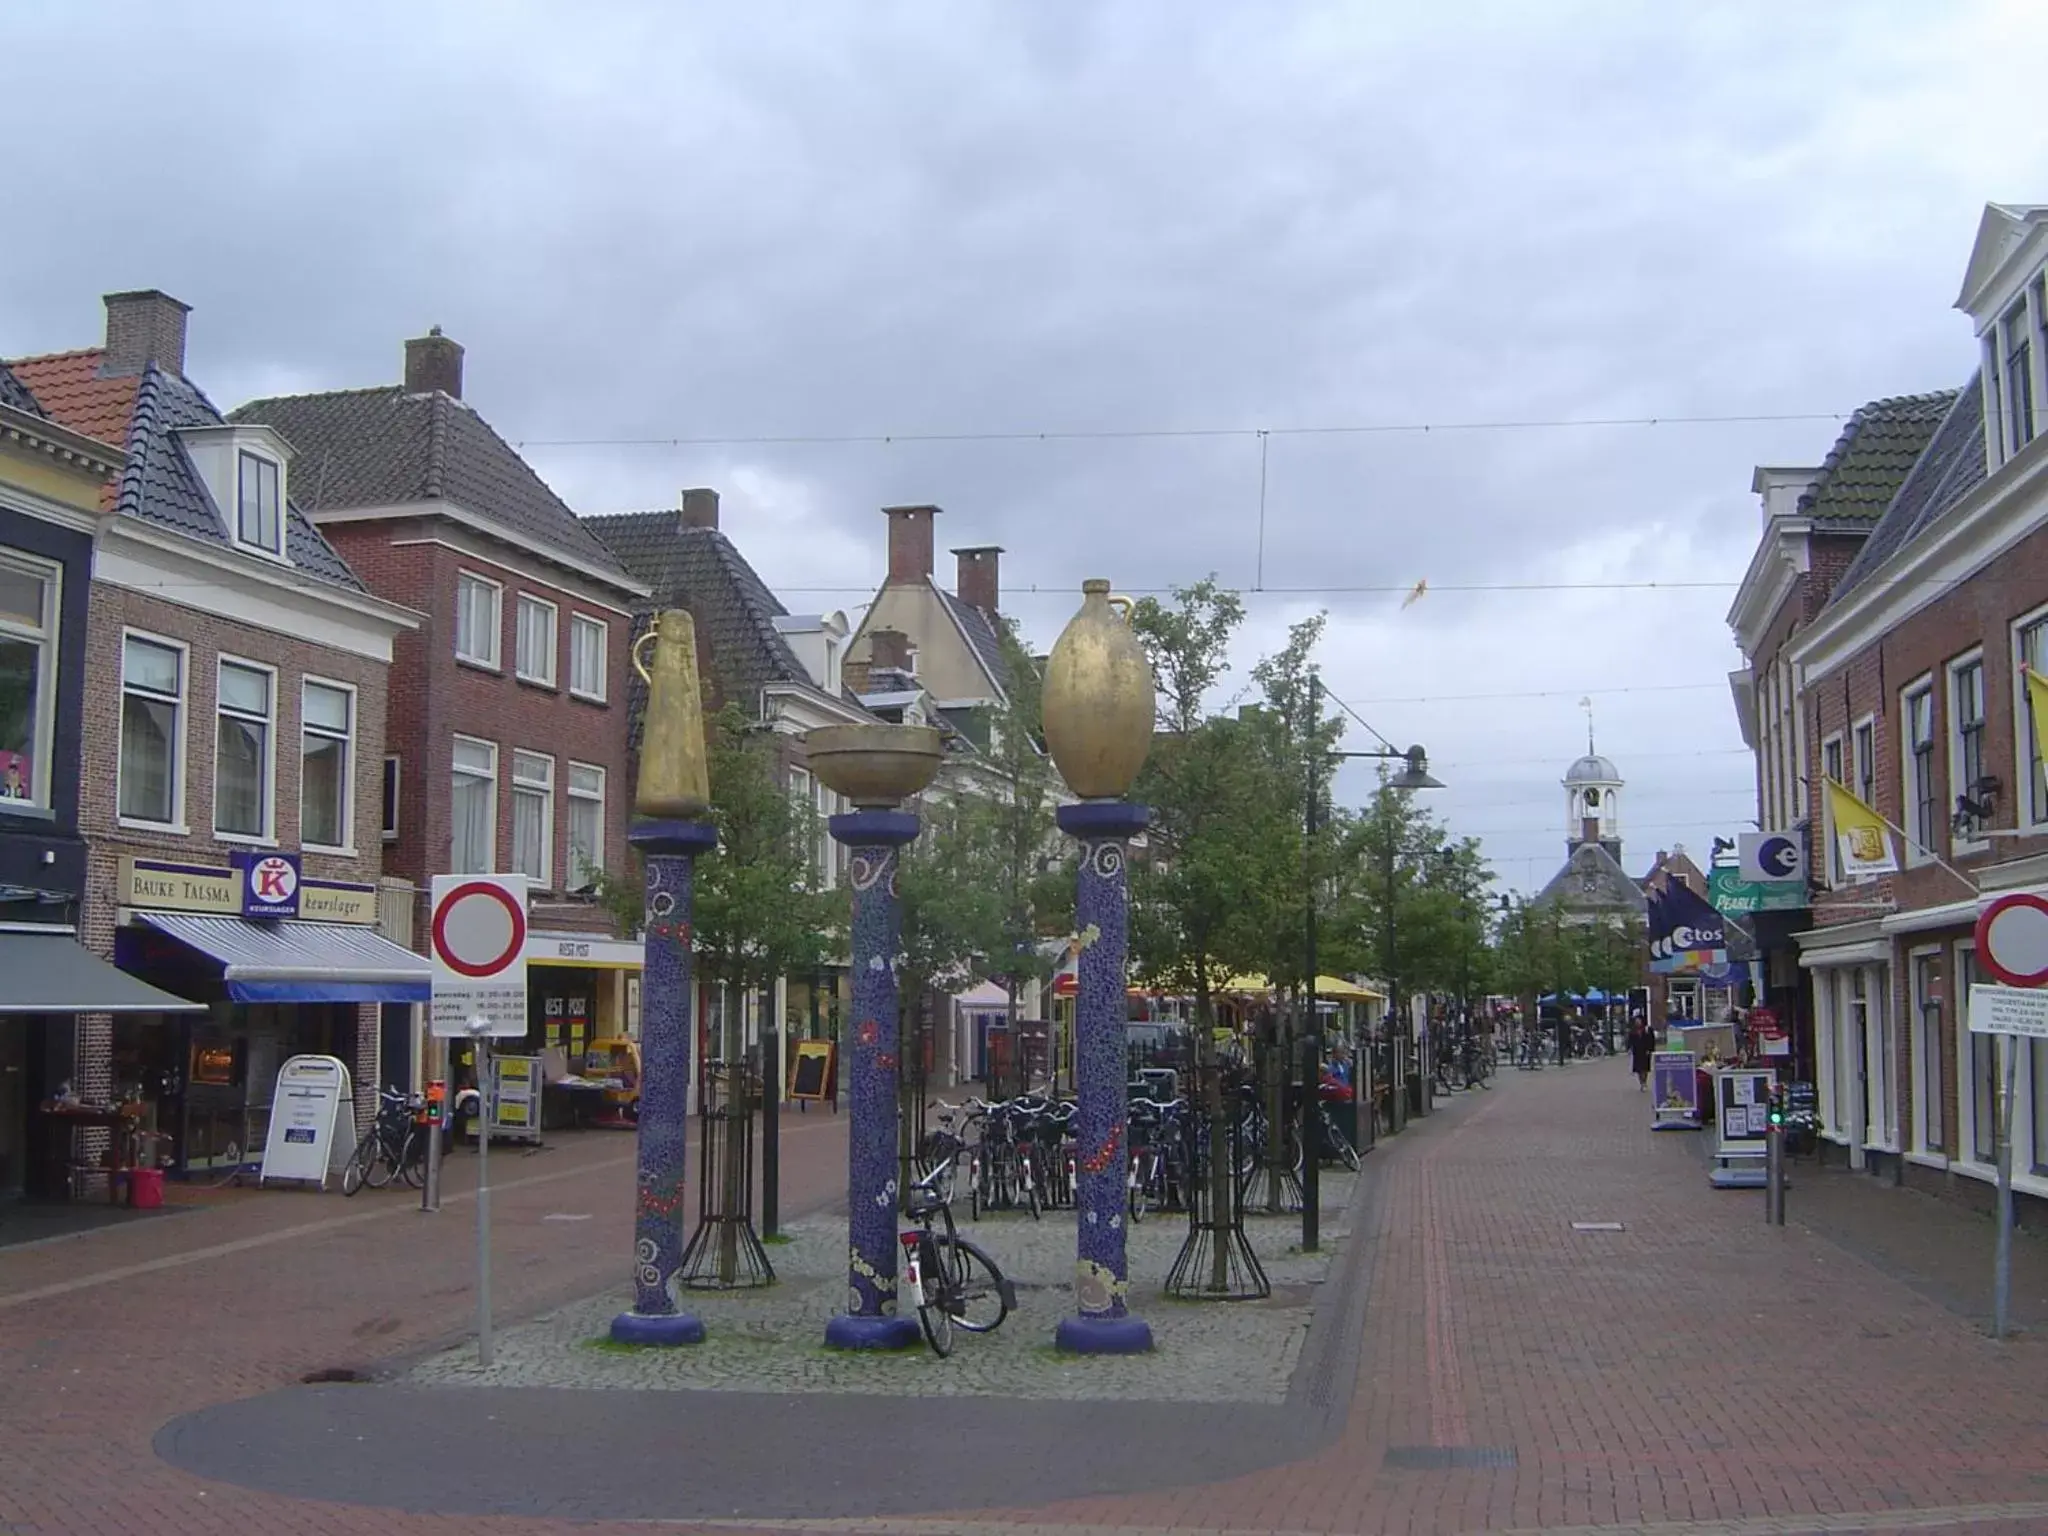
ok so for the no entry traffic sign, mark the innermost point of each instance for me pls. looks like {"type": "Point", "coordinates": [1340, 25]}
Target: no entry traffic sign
{"type": "Point", "coordinates": [2012, 939]}
{"type": "Point", "coordinates": [477, 948]}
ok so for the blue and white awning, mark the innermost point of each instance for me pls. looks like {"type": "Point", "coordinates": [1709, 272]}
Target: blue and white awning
{"type": "Point", "coordinates": [299, 962]}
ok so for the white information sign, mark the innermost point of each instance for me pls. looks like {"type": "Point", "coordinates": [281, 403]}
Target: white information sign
{"type": "Point", "coordinates": [477, 949]}
{"type": "Point", "coordinates": [2008, 1011]}
{"type": "Point", "coordinates": [1742, 1110]}
{"type": "Point", "coordinates": [312, 1121]}
{"type": "Point", "coordinates": [515, 1096]}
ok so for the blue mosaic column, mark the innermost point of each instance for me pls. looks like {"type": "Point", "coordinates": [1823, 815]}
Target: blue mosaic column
{"type": "Point", "coordinates": [1102, 1325]}
{"type": "Point", "coordinates": [668, 988]}
{"type": "Point", "coordinates": [875, 838]}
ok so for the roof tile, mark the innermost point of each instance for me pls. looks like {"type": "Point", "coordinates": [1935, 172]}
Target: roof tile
{"type": "Point", "coordinates": [72, 393]}
{"type": "Point", "coordinates": [1877, 448]}
{"type": "Point", "coordinates": [1949, 467]}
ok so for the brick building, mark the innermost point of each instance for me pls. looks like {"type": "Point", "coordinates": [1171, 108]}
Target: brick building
{"type": "Point", "coordinates": [507, 744]}
{"type": "Point", "coordinates": [1906, 686]}
{"type": "Point", "coordinates": [229, 780]}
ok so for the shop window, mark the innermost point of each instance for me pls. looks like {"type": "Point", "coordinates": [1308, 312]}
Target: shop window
{"type": "Point", "coordinates": [589, 643]}
{"type": "Point", "coordinates": [473, 808]}
{"type": "Point", "coordinates": [477, 620]}
{"type": "Point", "coordinates": [534, 659]}
{"type": "Point", "coordinates": [1981, 1059]}
{"type": "Point", "coordinates": [533, 816]}
{"type": "Point", "coordinates": [152, 730]}
{"type": "Point", "coordinates": [586, 824]}
{"type": "Point", "coordinates": [29, 611]}
{"type": "Point", "coordinates": [241, 769]}
{"type": "Point", "coordinates": [1927, 1120]}
{"type": "Point", "coordinates": [2035, 1075]}
{"type": "Point", "coordinates": [326, 761]}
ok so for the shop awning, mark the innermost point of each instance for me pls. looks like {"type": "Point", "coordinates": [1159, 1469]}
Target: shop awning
{"type": "Point", "coordinates": [296, 962]}
{"type": "Point", "coordinates": [54, 973]}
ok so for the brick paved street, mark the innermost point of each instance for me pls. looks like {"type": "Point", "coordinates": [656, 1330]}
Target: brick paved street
{"type": "Point", "coordinates": [1693, 1375]}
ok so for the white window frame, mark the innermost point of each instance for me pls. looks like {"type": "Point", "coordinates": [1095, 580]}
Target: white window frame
{"type": "Point", "coordinates": [47, 640]}
{"type": "Point", "coordinates": [545, 879]}
{"type": "Point", "coordinates": [494, 660]}
{"type": "Point", "coordinates": [577, 797]}
{"type": "Point", "coordinates": [257, 546]}
{"type": "Point", "coordinates": [1927, 1053]}
{"type": "Point", "coordinates": [393, 783]}
{"type": "Point", "coordinates": [1966, 1077]}
{"type": "Point", "coordinates": [579, 623]}
{"type": "Point", "coordinates": [2027, 770]}
{"type": "Point", "coordinates": [1881, 1058]}
{"type": "Point", "coordinates": [456, 770]}
{"type": "Point", "coordinates": [267, 838]}
{"type": "Point", "coordinates": [1909, 792]}
{"type": "Point", "coordinates": [347, 845]}
{"type": "Point", "coordinates": [179, 755]}
{"type": "Point", "coordinates": [1945, 809]}
{"type": "Point", "coordinates": [1833, 742]}
{"type": "Point", "coordinates": [520, 669]}
{"type": "Point", "coordinates": [1862, 769]}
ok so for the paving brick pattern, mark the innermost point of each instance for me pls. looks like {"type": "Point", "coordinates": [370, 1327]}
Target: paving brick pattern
{"type": "Point", "coordinates": [1693, 1375]}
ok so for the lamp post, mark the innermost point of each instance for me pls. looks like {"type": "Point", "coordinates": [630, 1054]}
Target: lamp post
{"type": "Point", "coordinates": [1098, 709]}
{"type": "Point", "coordinates": [671, 800]}
{"type": "Point", "coordinates": [877, 767]}
{"type": "Point", "coordinates": [1413, 774]}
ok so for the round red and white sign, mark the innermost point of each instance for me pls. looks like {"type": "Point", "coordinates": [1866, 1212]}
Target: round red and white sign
{"type": "Point", "coordinates": [2012, 939]}
{"type": "Point", "coordinates": [479, 929]}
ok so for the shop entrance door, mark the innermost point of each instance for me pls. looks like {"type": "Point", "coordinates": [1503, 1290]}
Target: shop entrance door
{"type": "Point", "coordinates": [18, 1096]}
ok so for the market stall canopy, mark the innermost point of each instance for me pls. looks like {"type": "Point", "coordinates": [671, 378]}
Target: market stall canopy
{"type": "Point", "coordinates": [1335, 988]}
{"type": "Point", "coordinates": [300, 962]}
{"type": "Point", "coordinates": [54, 973]}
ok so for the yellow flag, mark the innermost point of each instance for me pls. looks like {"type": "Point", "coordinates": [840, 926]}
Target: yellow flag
{"type": "Point", "coordinates": [2037, 705]}
{"type": "Point", "coordinates": [1863, 840]}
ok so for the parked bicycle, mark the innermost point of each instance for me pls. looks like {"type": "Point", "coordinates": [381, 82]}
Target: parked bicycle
{"type": "Point", "coordinates": [395, 1146]}
{"type": "Point", "coordinates": [950, 1281]}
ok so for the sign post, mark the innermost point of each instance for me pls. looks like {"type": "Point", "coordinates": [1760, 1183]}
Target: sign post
{"type": "Point", "coordinates": [2012, 945]}
{"type": "Point", "coordinates": [478, 954]}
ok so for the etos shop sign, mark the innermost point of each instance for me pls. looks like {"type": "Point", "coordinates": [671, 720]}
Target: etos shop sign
{"type": "Point", "coordinates": [268, 883]}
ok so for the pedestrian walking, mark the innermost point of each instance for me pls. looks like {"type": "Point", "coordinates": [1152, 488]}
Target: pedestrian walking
{"type": "Point", "coordinates": [1641, 1042]}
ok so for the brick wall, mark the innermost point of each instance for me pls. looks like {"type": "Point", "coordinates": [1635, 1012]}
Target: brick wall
{"type": "Point", "coordinates": [435, 698]}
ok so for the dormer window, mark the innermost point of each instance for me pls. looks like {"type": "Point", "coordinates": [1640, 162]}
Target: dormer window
{"type": "Point", "coordinates": [2013, 347]}
{"type": "Point", "coordinates": [257, 519]}
{"type": "Point", "coordinates": [2016, 353]}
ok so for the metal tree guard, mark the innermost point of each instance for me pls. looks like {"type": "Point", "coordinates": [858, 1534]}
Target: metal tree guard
{"type": "Point", "coordinates": [1216, 1261]}
{"type": "Point", "coordinates": [725, 1253]}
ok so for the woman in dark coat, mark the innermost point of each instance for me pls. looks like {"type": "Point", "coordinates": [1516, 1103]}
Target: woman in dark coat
{"type": "Point", "coordinates": [1641, 1042]}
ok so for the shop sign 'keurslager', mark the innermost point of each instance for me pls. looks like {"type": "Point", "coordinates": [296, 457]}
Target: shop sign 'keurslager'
{"type": "Point", "coordinates": [267, 885]}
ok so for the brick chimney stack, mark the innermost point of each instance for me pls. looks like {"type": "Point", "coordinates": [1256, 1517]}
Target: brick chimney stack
{"type": "Point", "coordinates": [910, 544]}
{"type": "Point", "coordinates": [432, 362]}
{"type": "Point", "coordinates": [700, 509]}
{"type": "Point", "coordinates": [979, 581]}
{"type": "Point", "coordinates": [889, 650]}
{"type": "Point", "coordinates": [143, 327]}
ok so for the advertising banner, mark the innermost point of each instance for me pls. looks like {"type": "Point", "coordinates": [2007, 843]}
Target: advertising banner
{"type": "Point", "coordinates": [1742, 1110]}
{"type": "Point", "coordinates": [515, 1096]}
{"type": "Point", "coordinates": [312, 1121]}
{"type": "Point", "coordinates": [1674, 1091]}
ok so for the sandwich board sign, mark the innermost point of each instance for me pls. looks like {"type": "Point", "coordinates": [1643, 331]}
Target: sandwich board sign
{"type": "Point", "coordinates": [477, 949]}
{"type": "Point", "coordinates": [312, 1121]}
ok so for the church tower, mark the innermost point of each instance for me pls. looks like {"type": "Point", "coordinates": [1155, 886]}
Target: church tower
{"type": "Point", "coordinates": [1592, 801]}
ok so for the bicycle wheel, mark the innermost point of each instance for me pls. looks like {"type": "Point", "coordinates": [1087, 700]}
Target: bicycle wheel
{"type": "Point", "coordinates": [383, 1166]}
{"type": "Point", "coordinates": [357, 1170]}
{"type": "Point", "coordinates": [1340, 1144]}
{"type": "Point", "coordinates": [978, 1297]}
{"type": "Point", "coordinates": [412, 1164]}
{"type": "Point", "coordinates": [1031, 1181]}
{"type": "Point", "coordinates": [1134, 1194]}
{"type": "Point", "coordinates": [931, 1290]}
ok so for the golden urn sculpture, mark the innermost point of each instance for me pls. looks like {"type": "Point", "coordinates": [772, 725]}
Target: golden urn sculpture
{"type": "Point", "coordinates": [1099, 700]}
{"type": "Point", "coordinates": [877, 767]}
{"type": "Point", "coordinates": [675, 783]}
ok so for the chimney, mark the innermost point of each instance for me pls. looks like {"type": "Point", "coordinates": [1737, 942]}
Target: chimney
{"type": "Point", "coordinates": [979, 582]}
{"type": "Point", "coordinates": [700, 509]}
{"type": "Point", "coordinates": [853, 675]}
{"type": "Point", "coordinates": [432, 362]}
{"type": "Point", "coordinates": [889, 649]}
{"type": "Point", "coordinates": [1589, 829]}
{"type": "Point", "coordinates": [144, 327]}
{"type": "Point", "coordinates": [910, 544]}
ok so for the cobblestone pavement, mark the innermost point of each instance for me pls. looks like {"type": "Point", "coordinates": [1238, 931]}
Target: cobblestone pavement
{"type": "Point", "coordinates": [771, 1340]}
{"type": "Point", "coordinates": [1695, 1374]}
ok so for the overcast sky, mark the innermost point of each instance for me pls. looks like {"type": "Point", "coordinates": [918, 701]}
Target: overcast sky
{"type": "Point", "coordinates": [664, 221]}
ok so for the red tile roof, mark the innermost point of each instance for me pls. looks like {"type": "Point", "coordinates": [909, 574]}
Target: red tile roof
{"type": "Point", "coordinates": [69, 388]}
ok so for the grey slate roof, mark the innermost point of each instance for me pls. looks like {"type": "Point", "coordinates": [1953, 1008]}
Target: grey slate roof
{"type": "Point", "coordinates": [700, 569]}
{"type": "Point", "coordinates": [1593, 882]}
{"type": "Point", "coordinates": [160, 485]}
{"type": "Point", "coordinates": [981, 634]}
{"type": "Point", "coordinates": [1876, 450]}
{"type": "Point", "coordinates": [15, 393]}
{"type": "Point", "coordinates": [1948, 469]}
{"type": "Point", "coordinates": [383, 447]}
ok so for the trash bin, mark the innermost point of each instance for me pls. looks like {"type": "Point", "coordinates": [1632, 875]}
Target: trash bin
{"type": "Point", "coordinates": [146, 1188]}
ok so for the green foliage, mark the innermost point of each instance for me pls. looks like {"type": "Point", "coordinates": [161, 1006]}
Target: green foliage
{"type": "Point", "coordinates": [1540, 948]}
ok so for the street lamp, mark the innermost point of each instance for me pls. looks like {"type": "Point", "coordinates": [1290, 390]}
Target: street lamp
{"type": "Point", "coordinates": [1412, 774]}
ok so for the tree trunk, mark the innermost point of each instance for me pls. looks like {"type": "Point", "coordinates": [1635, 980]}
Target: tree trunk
{"type": "Point", "coordinates": [1222, 1168]}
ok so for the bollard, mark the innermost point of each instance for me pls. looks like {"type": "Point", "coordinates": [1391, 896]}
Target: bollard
{"type": "Point", "coordinates": [1774, 1175]}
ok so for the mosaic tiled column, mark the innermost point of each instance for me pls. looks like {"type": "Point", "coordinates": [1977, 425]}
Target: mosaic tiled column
{"type": "Point", "coordinates": [1102, 1325]}
{"type": "Point", "coordinates": [667, 994]}
{"type": "Point", "coordinates": [875, 839]}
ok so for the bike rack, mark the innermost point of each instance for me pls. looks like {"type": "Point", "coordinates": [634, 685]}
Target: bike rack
{"type": "Point", "coordinates": [725, 1252]}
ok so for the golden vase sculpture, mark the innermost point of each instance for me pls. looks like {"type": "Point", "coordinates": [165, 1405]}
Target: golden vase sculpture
{"type": "Point", "coordinates": [675, 784]}
{"type": "Point", "coordinates": [1099, 699]}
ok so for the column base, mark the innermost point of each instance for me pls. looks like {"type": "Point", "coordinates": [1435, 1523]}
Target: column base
{"type": "Point", "coordinates": [1082, 1335]}
{"type": "Point", "coordinates": [848, 1332]}
{"type": "Point", "coordinates": [666, 1332]}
